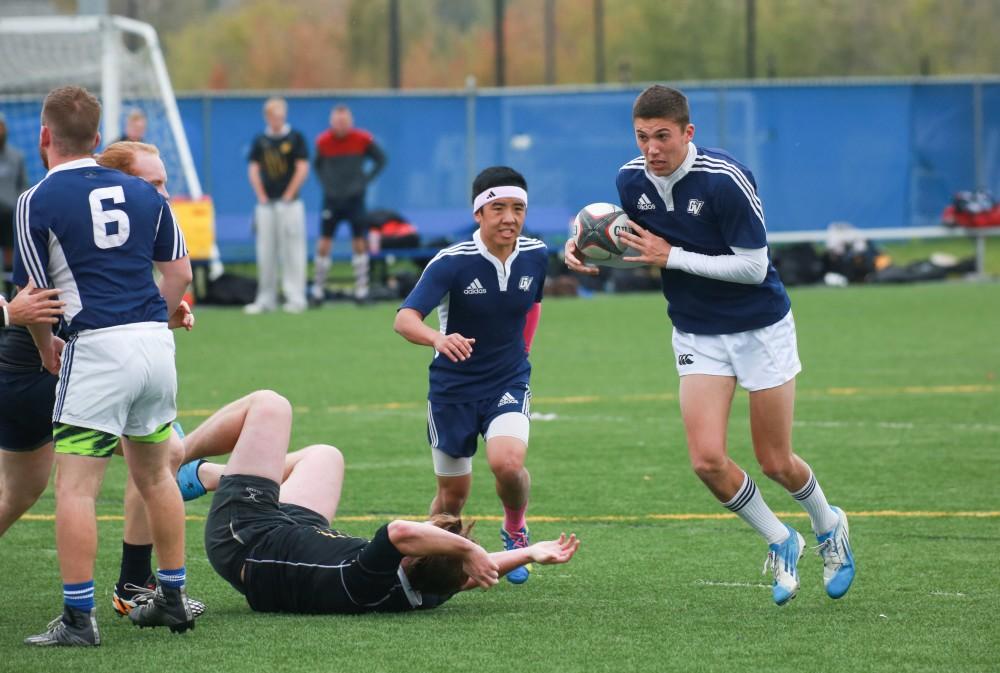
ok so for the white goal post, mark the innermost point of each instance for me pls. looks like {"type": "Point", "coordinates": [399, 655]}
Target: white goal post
{"type": "Point", "coordinates": [117, 58]}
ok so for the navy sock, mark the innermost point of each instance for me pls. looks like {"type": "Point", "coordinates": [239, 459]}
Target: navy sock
{"type": "Point", "coordinates": [137, 565]}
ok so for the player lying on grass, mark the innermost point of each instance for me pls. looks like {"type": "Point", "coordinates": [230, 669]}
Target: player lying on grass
{"type": "Point", "coordinates": [268, 531]}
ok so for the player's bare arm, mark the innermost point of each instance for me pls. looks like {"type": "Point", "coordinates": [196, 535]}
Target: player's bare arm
{"type": "Point", "coordinates": [253, 175]}
{"type": "Point", "coordinates": [298, 177]}
{"type": "Point", "coordinates": [410, 325]}
{"type": "Point", "coordinates": [176, 276]}
{"type": "Point", "coordinates": [34, 305]}
{"type": "Point", "coordinates": [574, 259]}
{"type": "Point", "coordinates": [547, 552]}
{"type": "Point", "coordinates": [651, 248]}
{"type": "Point", "coordinates": [423, 539]}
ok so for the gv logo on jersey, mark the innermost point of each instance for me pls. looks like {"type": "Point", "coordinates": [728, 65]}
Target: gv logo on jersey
{"type": "Point", "coordinates": [694, 206]}
{"type": "Point", "coordinates": [525, 283]}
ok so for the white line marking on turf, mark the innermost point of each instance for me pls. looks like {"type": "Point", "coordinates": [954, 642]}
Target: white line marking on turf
{"type": "Point", "coordinates": [896, 425]}
{"type": "Point", "coordinates": [958, 594]}
{"type": "Point", "coordinates": [389, 465]}
{"type": "Point", "coordinates": [738, 585]}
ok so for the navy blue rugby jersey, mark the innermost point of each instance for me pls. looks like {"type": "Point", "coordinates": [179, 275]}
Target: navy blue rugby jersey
{"type": "Point", "coordinates": [709, 205]}
{"type": "Point", "coordinates": [94, 233]}
{"type": "Point", "coordinates": [481, 298]}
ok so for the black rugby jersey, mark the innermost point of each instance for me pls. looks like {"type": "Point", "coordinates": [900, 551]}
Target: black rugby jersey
{"type": "Point", "coordinates": [314, 570]}
{"type": "Point", "coordinates": [276, 156]}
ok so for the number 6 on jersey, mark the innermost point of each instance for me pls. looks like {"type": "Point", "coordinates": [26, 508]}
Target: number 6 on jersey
{"type": "Point", "coordinates": [103, 237]}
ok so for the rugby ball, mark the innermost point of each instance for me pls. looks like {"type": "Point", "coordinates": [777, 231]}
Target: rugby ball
{"type": "Point", "coordinates": [595, 231]}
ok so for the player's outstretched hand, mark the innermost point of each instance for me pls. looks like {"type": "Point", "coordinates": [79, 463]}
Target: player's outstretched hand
{"type": "Point", "coordinates": [35, 306]}
{"type": "Point", "coordinates": [182, 317]}
{"type": "Point", "coordinates": [480, 568]}
{"type": "Point", "coordinates": [555, 551]}
{"type": "Point", "coordinates": [454, 346]}
{"type": "Point", "coordinates": [574, 260]}
{"type": "Point", "coordinates": [651, 248]}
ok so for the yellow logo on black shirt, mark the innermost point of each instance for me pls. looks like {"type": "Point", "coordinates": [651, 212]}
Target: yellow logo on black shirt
{"type": "Point", "coordinates": [329, 533]}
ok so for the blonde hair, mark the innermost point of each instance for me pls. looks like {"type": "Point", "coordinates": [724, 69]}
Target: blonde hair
{"type": "Point", "coordinates": [276, 103]}
{"type": "Point", "coordinates": [121, 154]}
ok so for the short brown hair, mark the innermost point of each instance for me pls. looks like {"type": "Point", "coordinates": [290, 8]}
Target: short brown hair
{"type": "Point", "coordinates": [72, 115]}
{"type": "Point", "coordinates": [121, 154]}
{"type": "Point", "coordinates": [441, 574]}
{"type": "Point", "coordinates": [662, 102]}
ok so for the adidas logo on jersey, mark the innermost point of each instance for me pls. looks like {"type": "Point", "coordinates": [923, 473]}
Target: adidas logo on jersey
{"type": "Point", "coordinates": [645, 204]}
{"type": "Point", "coordinates": [506, 399]}
{"type": "Point", "coordinates": [475, 287]}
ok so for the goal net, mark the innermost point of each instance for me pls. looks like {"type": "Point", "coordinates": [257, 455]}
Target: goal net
{"type": "Point", "coordinates": [117, 59]}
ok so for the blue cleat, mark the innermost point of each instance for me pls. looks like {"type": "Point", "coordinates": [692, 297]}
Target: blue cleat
{"type": "Point", "coordinates": [188, 481]}
{"type": "Point", "coordinates": [838, 558]}
{"type": "Point", "coordinates": [176, 425]}
{"type": "Point", "coordinates": [783, 559]}
{"type": "Point", "coordinates": [518, 540]}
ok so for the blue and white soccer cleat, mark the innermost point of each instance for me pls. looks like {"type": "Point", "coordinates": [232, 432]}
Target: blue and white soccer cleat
{"type": "Point", "coordinates": [838, 558]}
{"type": "Point", "coordinates": [188, 481]}
{"type": "Point", "coordinates": [518, 540]}
{"type": "Point", "coordinates": [783, 559]}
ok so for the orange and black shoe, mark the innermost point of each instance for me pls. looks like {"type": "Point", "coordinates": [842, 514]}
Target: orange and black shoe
{"type": "Point", "coordinates": [126, 598]}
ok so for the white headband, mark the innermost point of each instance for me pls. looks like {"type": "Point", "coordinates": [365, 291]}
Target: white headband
{"type": "Point", "coordinates": [494, 193]}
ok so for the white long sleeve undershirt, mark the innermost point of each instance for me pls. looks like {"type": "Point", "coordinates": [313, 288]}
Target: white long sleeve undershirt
{"type": "Point", "coordinates": [746, 265]}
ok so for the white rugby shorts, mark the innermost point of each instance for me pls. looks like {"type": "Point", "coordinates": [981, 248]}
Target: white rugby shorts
{"type": "Point", "coordinates": [759, 359]}
{"type": "Point", "coordinates": [120, 380]}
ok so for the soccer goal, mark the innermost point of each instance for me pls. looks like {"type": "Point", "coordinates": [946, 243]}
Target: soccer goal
{"type": "Point", "coordinates": [117, 58]}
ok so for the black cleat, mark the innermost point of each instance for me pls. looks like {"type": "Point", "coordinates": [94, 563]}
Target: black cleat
{"type": "Point", "coordinates": [169, 606]}
{"type": "Point", "coordinates": [129, 597]}
{"type": "Point", "coordinates": [75, 628]}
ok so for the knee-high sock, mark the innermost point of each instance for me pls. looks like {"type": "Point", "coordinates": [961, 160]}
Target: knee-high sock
{"type": "Point", "coordinates": [360, 264]}
{"type": "Point", "coordinates": [749, 505]}
{"type": "Point", "coordinates": [321, 268]}
{"type": "Point", "coordinates": [813, 501]}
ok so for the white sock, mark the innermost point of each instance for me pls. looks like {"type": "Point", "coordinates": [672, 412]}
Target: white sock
{"type": "Point", "coordinates": [813, 500]}
{"type": "Point", "coordinates": [321, 268]}
{"type": "Point", "coordinates": [749, 505]}
{"type": "Point", "coordinates": [360, 264]}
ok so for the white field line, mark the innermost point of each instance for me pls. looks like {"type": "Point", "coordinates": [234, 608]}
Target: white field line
{"type": "Point", "coordinates": [735, 585]}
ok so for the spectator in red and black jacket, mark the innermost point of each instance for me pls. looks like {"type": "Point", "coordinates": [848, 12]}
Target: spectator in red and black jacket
{"type": "Point", "coordinates": [347, 159]}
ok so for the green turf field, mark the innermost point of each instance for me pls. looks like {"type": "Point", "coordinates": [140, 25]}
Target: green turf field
{"type": "Point", "coordinates": [898, 414]}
